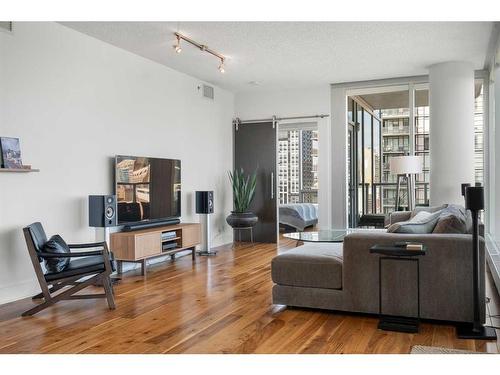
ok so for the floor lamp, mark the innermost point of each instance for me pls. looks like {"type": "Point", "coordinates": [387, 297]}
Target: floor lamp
{"type": "Point", "coordinates": [405, 167]}
{"type": "Point", "coordinates": [474, 201]}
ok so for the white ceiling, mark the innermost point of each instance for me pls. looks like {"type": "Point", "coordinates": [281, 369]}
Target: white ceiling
{"type": "Point", "coordinates": [291, 55]}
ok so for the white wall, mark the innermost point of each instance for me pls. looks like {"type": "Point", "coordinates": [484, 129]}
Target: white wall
{"type": "Point", "coordinates": [302, 102]}
{"type": "Point", "coordinates": [75, 102]}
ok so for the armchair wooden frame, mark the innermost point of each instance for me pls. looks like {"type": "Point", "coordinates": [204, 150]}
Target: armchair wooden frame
{"type": "Point", "coordinates": [49, 288]}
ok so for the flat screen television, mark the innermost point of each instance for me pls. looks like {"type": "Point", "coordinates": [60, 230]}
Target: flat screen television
{"type": "Point", "coordinates": [147, 189]}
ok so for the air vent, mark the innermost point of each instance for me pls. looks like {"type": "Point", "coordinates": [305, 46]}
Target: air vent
{"type": "Point", "coordinates": [6, 26]}
{"type": "Point", "coordinates": [208, 92]}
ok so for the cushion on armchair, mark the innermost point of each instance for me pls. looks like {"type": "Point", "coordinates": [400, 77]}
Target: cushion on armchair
{"type": "Point", "coordinates": [56, 245]}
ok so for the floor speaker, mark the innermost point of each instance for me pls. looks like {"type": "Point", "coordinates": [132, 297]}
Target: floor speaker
{"type": "Point", "coordinates": [102, 211]}
{"type": "Point", "coordinates": [205, 207]}
{"type": "Point", "coordinates": [474, 201]}
{"type": "Point", "coordinates": [204, 202]}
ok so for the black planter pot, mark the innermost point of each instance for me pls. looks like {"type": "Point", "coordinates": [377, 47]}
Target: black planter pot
{"type": "Point", "coordinates": [242, 219]}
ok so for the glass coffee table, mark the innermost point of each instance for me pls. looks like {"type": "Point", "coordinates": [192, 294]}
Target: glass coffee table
{"type": "Point", "coordinates": [327, 235]}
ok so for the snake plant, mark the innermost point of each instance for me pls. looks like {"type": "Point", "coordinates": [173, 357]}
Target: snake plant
{"type": "Point", "coordinates": [243, 189]}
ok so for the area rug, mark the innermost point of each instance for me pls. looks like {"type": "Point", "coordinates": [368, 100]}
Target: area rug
{"type": "Point", "coordinates": [422, 349]}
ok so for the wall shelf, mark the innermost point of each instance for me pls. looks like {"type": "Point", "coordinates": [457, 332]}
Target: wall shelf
{"type": "Point", "coordinates": [18, 170]}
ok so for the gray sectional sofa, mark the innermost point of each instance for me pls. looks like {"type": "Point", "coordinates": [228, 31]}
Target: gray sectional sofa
{"type": "Point", "coordinates": [345, 276]}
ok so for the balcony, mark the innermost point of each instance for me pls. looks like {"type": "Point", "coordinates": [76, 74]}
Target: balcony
{"type": "Point", "coordinates": [395, 131]}
{"type": "Point", "coordinates": [396, 150]}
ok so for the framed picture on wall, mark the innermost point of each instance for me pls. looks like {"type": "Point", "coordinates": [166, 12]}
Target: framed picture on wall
{"type": "Point", "coordinates": [11, 153]}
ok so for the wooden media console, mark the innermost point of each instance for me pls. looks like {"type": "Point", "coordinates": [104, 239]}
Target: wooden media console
{"type": "Point", "coordinates": [138, 246]}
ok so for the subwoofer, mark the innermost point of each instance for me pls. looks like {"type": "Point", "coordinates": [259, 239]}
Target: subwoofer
{"type": "Point", "coordinates": [102, 211]}
{"type": "Point", "coordinates": [204, 202]}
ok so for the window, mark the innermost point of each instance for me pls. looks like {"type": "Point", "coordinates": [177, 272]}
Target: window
{"type": "Point", "coordinates": [298, 165]}
{"type": "Point", "coordinates": [421, 113]}
{"type": "Point", "coordinates": [392, 109]}
{"type": "Point", "coordinates": [478, 132]}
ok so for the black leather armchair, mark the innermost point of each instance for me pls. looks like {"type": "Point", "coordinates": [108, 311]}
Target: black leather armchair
{"type": "Point", "coordinates": [95, 266]}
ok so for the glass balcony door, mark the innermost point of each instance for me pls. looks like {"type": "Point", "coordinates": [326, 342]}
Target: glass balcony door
{"type": "Point", "coordinates": [380, 127]}
{"type": "Point", "coordinates": [352, 177]}
{"type": "Point", "coordinates": [389, 121]}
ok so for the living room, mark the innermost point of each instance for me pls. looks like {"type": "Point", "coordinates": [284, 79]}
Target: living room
{"type": "Point", "coordinates": [206, 187]}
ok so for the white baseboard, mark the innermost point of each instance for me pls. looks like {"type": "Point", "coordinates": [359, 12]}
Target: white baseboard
{"type": "Point", "coordinates": [14, 292]}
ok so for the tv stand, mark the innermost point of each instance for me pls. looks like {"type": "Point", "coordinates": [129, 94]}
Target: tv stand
{"type": "Point", "coordinates": [140, 245]}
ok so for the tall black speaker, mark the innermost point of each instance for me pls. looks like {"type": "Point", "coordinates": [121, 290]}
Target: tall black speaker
{"type": "Point", "coordinates": [204, 202]}
{"type": "Point", "coordinates": [102, 211]}
{"type": "Point", "coordinates": [474, 198]}
{"type": "Point", "coordinates": [205, 207]}
{"type": "Point", "coordinates": [474, 201]}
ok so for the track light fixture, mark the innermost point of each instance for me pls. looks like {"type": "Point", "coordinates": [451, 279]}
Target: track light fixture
{"type": "Point", "coordinates": [201, 47]}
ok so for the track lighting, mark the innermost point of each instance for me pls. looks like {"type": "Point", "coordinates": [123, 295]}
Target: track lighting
{"type": "Point", "coordinates": [177, 46]}
{"type": "Point", "coordinates": [201, 47]}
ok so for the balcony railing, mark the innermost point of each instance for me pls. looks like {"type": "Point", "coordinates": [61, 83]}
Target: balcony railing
{"type": "Point", "coordinates": [396, 131]}
{"type": "Point", "coordinates": [385, 195]}
{"type": "Point", "coordinates": [398, 149]}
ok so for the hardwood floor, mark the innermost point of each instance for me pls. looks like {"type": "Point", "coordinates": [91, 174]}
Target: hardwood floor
{"type": "Point", "coordinates": [218, 304]}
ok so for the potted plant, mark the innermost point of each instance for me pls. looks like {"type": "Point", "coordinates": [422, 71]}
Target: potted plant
{"type": "Point", "coordinates": [243, 193]}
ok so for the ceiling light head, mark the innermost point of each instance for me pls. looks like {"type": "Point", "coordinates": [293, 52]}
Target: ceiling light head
{"type": "Point", "coordinates": [177, 46]}
{"type": "Point", "coordinates": [222, 68]}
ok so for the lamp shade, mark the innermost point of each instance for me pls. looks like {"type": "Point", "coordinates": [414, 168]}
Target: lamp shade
{"type": "Point", "coordinates": [406, 164]}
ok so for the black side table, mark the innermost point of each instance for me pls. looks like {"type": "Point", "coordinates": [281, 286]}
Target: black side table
{"type": "Point", "coordinates": [398, 252]}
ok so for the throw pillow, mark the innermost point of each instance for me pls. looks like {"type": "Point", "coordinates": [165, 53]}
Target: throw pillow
{"type": "Point", "coordinates": [453, 219]}
{"type": "Point", "coordinates": [449, 224]}
{"type": "Point", "coordinates": [56, 245]}
{"type": "Point", "coordinates": [427, 209]}
{"type": "Point", "coordinates": [423, 222]}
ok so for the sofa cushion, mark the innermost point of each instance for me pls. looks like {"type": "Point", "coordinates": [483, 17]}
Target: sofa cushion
{"type": "Point", "coordinates": [422, 222]}
{"type": "Point", "coordinates": [79, 266]}
{"type": "Point", "coordinates": [313, 265]}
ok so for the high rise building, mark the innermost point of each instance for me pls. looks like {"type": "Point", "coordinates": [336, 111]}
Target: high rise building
{"type": "Point", "coordinates": [298, 166]}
